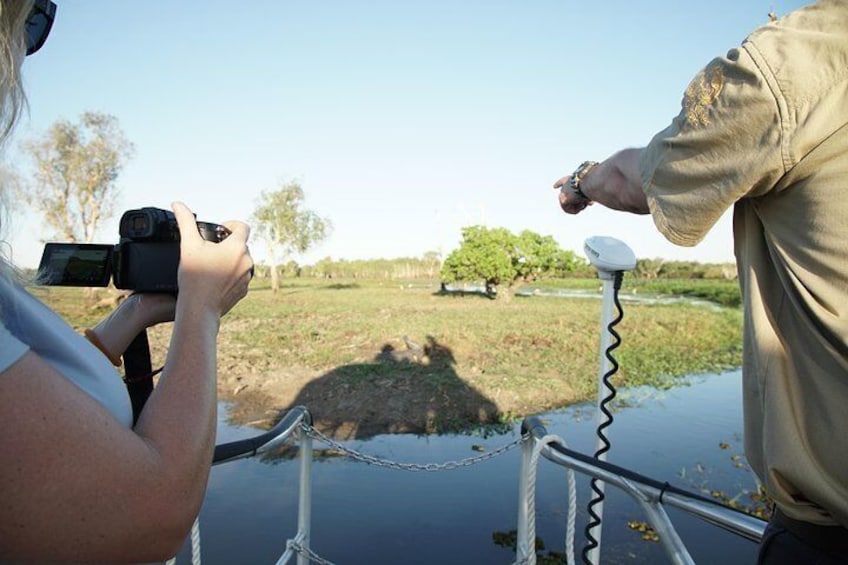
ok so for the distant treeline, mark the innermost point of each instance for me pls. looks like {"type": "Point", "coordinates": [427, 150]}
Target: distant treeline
{"type": "Point", "coordinates": [428, 267]}
{"type": "Point", "coordinates": [661, 269]}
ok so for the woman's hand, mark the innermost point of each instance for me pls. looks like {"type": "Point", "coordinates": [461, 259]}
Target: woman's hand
{"type": "Point", "coordinates": [215, 275]}
{"type": "Point", "coordinates": [133, 315]}
{"type": "Point", "coordinates": [154, 308]}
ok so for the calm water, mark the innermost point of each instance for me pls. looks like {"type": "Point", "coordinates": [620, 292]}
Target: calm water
{"type": "Point", "coordinates": [689, 436]}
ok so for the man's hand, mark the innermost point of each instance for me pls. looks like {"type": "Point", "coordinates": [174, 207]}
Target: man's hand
{"type": "Point", "coordinates": [615, 183]}
{"type": "Point", "coordinates": [569, 200]}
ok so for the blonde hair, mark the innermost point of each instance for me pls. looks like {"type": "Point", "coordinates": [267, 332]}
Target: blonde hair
{"type": "Point", "coordinates": [13, 16]}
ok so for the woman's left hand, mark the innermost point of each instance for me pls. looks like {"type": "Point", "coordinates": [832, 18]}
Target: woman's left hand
{"type": "Point", "coordinates": [153, 308]}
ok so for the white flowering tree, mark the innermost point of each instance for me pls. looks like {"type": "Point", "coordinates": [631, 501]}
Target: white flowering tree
{"type": "Point", "coordinates": [281, 221]}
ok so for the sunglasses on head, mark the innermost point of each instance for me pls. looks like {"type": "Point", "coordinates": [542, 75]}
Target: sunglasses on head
{"type": "Point", "coordinates": [38, 24]}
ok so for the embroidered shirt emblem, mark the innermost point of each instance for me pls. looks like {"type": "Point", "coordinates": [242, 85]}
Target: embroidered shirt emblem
{"type": "Point", "coordinates": [700, 94]}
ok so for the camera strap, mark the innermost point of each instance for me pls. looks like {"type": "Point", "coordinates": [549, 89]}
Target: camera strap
{"type": "Point", "coordinates": [138, 374]}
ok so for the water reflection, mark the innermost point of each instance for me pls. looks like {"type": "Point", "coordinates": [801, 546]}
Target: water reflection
{"type": "Point", "coordinates": [689, 436]}
{"type": "Point", "coordinates": [477, 290]}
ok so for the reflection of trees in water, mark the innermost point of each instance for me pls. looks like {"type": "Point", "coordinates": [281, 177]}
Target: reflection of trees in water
{"type": "Point", "coordinates": [411, 390]}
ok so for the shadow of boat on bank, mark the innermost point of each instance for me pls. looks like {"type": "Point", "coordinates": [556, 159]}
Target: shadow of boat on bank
{"type": "Point", "coordinates": [402, 391]}
{"type": "Point", "coordinates": [415, 390]}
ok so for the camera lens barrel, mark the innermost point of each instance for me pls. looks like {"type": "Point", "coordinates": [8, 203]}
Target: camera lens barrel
{"type": "Point", "coordinates": [212, 232]}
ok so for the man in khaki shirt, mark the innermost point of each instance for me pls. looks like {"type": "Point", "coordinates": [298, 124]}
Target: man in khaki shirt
{"type": "Point", "coordinates": [765, 129]}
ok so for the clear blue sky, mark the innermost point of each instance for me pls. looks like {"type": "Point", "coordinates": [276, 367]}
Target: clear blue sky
{"type": "Point", "coordinates": [403, 120]}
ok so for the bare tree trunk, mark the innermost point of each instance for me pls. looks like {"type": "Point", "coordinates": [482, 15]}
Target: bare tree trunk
{"type": "Point", "coordinates": [275, 278]}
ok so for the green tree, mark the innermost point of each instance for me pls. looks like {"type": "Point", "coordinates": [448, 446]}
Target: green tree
{"type": "Point", "coordinates": [484, 255]}
{"type": "Point", "coordinates": [286, 227]}
{"type": "Point", "coordinates": [500, 259]}
{"type": "Point", "coordinates": [540, 256]}
{"type": "Point", "coordinates": [76, 171]}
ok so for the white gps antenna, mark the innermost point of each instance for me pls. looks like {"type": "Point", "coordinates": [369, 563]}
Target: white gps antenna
{"type": "Point", "coordinates": [611, 257]}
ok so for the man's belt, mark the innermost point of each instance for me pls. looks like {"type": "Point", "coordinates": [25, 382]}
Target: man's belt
{"type": "Point", "coordinates": [830, 539]}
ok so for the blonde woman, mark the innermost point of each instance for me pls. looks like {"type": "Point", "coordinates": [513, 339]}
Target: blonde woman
{"type": "Point", "coordinates": [77, 481]}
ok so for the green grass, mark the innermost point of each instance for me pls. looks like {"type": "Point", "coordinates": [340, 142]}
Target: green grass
{"type": "Point", "coordinates": [526, 355]}
{"type": "Point", "coordinates": [530, 353]}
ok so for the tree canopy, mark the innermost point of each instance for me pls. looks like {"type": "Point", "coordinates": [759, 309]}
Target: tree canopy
{"type": "Point", "coordinates": [76, 171]}
{"type": "Point", "coordinates": [500, 259]}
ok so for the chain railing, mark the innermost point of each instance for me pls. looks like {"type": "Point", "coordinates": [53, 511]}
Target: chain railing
{"type": "Point", "coordinates": [304, 552]}
{"type": "Point", "coordinates": [535, 442]}
{"type": "Point", "coordinates": [297, 423]}
{"type": "Point", "coordinates": [417, 467]}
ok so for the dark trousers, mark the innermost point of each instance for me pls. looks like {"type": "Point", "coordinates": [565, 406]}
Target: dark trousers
{"type": "Point", "coordinates": [789, 542]}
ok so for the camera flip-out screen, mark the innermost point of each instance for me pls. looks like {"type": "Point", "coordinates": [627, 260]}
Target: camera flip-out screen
{"type": "Point", "coordinates": [76, 264]}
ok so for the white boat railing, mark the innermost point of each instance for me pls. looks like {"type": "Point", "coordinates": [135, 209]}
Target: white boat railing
{"type": "Point", "coordinates": [652, 496]}
{"type": "Point", "coordinates": [294, 424]}
{"type": "Point", "coordinates": [649, 494]}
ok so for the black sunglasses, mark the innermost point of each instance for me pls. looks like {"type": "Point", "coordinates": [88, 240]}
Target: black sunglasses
{"type": "Point", "coordinates": [38, 24]}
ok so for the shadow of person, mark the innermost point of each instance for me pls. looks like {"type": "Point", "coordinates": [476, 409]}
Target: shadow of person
{"type": "Point", "coordinates": [414, 390]}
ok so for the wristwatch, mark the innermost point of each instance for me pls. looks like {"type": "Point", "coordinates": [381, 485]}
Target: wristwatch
{"type": "Point", "coordinates": [577, 176]}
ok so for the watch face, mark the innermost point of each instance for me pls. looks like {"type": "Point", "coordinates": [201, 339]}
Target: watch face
{"type": "Point", "coordinates": [581, 171]}
{"type": "Point", "coordinates": [577, 176]}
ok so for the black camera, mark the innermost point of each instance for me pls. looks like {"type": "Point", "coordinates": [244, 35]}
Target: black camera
{"type": "Point", "coordinates": [144, 260]}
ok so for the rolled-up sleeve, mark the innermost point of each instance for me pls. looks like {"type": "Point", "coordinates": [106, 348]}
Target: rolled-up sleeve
{"type": "Point", "coordinates": [726, 144]}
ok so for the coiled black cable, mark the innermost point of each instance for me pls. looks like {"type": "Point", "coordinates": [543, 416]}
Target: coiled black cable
{"type": "Point", "coordinates": [594, 518]}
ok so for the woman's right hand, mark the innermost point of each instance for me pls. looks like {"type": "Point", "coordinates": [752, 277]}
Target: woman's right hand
{"type": "Point", "coordinates": [215, 275]}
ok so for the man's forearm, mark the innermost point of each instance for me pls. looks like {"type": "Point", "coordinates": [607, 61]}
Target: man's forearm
{"type": "Point", "coordinates": [617, 183]}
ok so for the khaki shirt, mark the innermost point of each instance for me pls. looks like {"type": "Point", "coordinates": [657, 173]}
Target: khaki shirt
{"type": "Point", "coordinates": [765, 129]}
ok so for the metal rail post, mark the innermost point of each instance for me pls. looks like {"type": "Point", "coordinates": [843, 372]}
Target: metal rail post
{"type": "Point", "coordinates": [525, 549]}
{"type": "Point", "coordinates": [304, 511]}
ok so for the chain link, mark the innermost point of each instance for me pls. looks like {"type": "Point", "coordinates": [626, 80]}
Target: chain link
{"type": "Point", "coordinates": [378, 462]}
{"type": "Point", "coordinates": [308, 553]}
